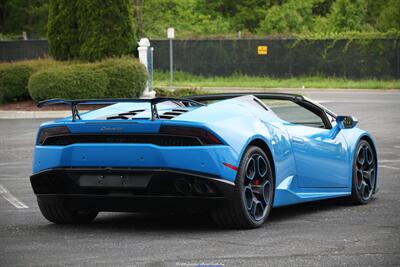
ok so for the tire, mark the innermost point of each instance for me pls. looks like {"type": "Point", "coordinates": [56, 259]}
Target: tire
{"type": "Point", "coordinates": [59, 214]}
{"type": "Point", "coordinates": [253, 194]}
{"type": "Point", "coordinates": [364, 174]}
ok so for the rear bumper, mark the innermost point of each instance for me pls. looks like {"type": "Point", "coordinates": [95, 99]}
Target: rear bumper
{"type": "Point", "coordinates": [199, 159]}
{"type": "Point", "coordinates": [131, 189]}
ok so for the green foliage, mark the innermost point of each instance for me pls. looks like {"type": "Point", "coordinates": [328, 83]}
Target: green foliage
{"type": "Point", "coordinates": [30, 16]}
{"type": "Point", "coordinates": [241, 15]}
{"type": "Point", "coordinates": [127, 77]}
{"type": "Point", "coordinates": [242, 20]}
{"type": "Point", "coordinates": [62, 30]}
{"type": "Point", "coordinates": [7, 37]}
{"type": "Point", "coordinates": [179, 93]}
{"type": "Point", "coordinates": [14, 78]}
{"type": "Point", "coordinates": [90, 29]}
{"type": "Point", "coordinates": [389, 18]}
{"type": "Point", "coordinates": [36, 25]}
{"type": "Point", "coordinates": [292, 17]}
{"type": "Point", "coordinates": [191, 18]}
{"type": "Point", "coordinates": [13, 82]}
{"type": "Point", "coordinates": [348, 15]}
{"type": "Point", "coordinates": [114, 78]}
{"type": "Point", "coordinates": [105, 28]}
{"type": "Point", "coordinates": [70, 82]}
{"type": "Point", "coordinates": [184, 16]}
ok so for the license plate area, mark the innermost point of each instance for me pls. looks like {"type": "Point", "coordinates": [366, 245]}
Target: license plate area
{"type": "Point", "coordinates": [114, 180]}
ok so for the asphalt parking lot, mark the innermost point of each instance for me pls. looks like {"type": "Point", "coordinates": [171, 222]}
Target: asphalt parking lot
{"type": "Point", "coordinates": [320, 233]}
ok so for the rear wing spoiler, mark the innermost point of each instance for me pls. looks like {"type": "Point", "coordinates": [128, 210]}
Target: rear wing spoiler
{"type": "Point", "coordinates": [153, 103]}
{"type": "Point", "coordinates": [194, 100]}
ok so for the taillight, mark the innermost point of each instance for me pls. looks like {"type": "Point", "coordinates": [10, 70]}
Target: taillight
{"type": "Point", "coordinates": [203, 135]}
{"type": "Point", "coordinates": [51, 131]}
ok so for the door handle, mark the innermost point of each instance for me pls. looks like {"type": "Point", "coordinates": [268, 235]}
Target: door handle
{"type": "Point", "coordinates": [297, 140]}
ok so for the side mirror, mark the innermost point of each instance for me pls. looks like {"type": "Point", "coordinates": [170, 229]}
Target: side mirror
{"type": "Point", "coordinates": [346, 122]}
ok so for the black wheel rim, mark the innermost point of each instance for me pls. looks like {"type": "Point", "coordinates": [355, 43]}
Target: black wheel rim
{"type": "Point", "coordinates": [365, 171]}
{"type": "Point", "coordinates": [257, 186]}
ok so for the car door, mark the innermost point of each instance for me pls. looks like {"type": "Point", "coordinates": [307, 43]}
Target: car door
{"type": "Point", "coordinates": [319, 151]}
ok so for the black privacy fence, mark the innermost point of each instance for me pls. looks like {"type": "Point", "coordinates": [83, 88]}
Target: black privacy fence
{"type": "Point", "coordinates": [21, 50]}
{"type": "Point", "coordinates": [283, 58]}
{"type": "Point", "coordinates": [353, 58]}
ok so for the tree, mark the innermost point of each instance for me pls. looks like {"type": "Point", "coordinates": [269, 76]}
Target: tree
{"type": "Point", "coordinates": [291, 17]}
{"type": "Point", "coordinates": [106, 28]}
{"type": "Point", "coordinates": [138, 15]}
{"type": "Point", "coordinates": [36, 24]}
{"type": "Point", "coordinates": [30, 16]}
{"type": "Point", "coordinates": [187, 17]}
{"type": "Point", "coordinates": [249, 15]}
{"type": "Point", "coordinates": [63, 30]}
{"type": "Point", "coordinates": [348, 15]}
{"type": "Point", "coordinates": [241, 14]}
{"type": "Point", "coordinates": [389, 18]}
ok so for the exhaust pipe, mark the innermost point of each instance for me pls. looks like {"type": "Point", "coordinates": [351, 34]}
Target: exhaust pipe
{"type": "Point", "coordinates": [200, 187]}
{"type": "Point", "coordinates": [183, 186]}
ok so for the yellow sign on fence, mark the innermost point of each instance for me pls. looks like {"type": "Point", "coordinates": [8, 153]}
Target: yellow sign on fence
{"type": "Point", "coordinates": [262, 50]}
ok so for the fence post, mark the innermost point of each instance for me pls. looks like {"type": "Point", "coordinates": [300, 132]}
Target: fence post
{"type": "Point", "coordinates": [144, 49]}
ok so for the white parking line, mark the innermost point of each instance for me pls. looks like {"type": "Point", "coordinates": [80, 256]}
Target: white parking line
{"type": "Point", "coordinates": [390, 162]}
{"type": "Point", "coordinates": [12, 163]}
{"type": "Point", "coordinates": [389, 167]}
{"type": "Point", "coordinates": [10, 198]}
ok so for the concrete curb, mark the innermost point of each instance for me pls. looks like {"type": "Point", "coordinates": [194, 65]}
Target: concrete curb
{"type": "Point", "coordinates": [18, 114]}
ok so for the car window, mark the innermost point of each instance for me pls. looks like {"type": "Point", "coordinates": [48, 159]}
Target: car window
{"type": "Point", "coordinates": [294, 113]}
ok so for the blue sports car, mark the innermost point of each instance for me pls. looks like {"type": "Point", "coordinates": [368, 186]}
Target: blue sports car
{"type": "Point", "coordinates": [234, 155]}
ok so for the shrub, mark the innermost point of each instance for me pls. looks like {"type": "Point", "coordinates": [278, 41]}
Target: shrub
{"type": "Point", "coordinates": [113, 78]}
{"type": "Point", "coordinates": [13, 82]}
{"type": "Point", "coordinates": [62, 29]}
{"type": "Point", "coordinates": [70, 82]}
{"type": "Point", "coordinates": [127, 77]}
{"type": "Point", "coordinates": [179, 93]}
{"type": "Point", "coordinates": [14, 78]}
{"type": "Point", "coordinates": [105, 28]}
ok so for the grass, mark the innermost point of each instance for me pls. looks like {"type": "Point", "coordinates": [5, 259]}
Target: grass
{"type": "Point", "coordinates": [183, 79]}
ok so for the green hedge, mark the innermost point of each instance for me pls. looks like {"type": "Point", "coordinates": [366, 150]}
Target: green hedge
{"type": "Point", "coordinates": [14, 78]}
{"type": "Point", "coordinates": [70, 82]}
{"type": "Point", "coordinates": [112, 78]}
{"type": "Point", "coordinates": [179, 93]}
{"type": "Point", "coordinates": [13, 82]}
{"type": "Point", "coordinates": [127, 77]}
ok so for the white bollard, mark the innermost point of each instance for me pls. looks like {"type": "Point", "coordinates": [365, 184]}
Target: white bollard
{"type": "Point", "coordinates": [143, 49]}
